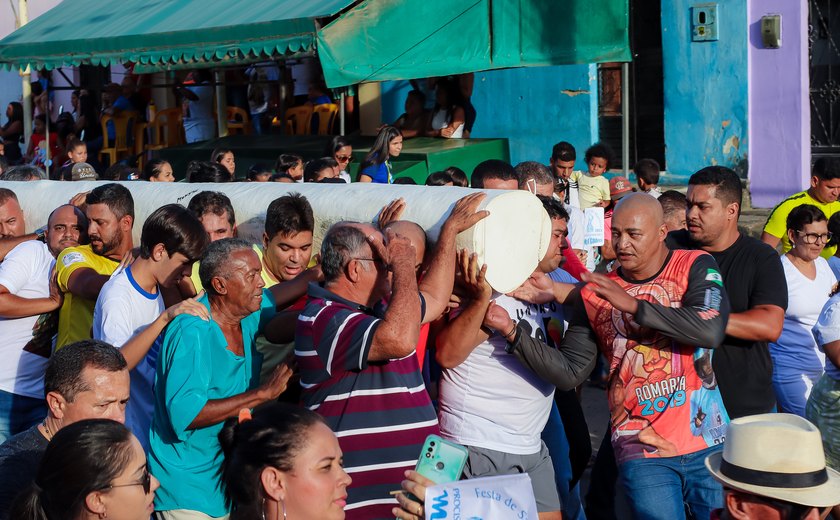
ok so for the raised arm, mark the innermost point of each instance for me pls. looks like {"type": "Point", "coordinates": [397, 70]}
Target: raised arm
{"type": "Point", "coordinates": [397, 334]}
{"type": "Point", "coordinates": [462, 334]}
{"type": "Point", "coordinates": [437, 283]}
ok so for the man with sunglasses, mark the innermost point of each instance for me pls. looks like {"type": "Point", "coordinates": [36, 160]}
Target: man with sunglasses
{"type": "Point", "coordinates": [773, 467]}
{"type": "Point", "coordinates": [358, 364]}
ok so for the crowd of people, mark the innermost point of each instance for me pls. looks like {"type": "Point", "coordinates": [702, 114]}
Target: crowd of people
{"type": "Point", "coordinates": [197, 375]}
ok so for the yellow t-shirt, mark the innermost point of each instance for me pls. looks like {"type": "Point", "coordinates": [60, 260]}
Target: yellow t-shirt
{"type": "Point", "coordinates": [591, 190]}
{"type": "Point", "coordinates": [75, 318]}
{"type": "Point", "coordinates": [777, 221]}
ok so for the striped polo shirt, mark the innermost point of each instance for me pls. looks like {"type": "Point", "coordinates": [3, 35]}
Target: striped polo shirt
{"type": "Point", "coordinates": [379, 411]}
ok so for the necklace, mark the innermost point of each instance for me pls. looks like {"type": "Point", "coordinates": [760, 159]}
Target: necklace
{"type": "Point", "coordinates": [47, 430]}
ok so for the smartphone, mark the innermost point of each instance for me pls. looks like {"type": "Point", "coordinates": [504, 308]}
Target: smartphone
{"type": "Point", "coordinates": [441, 461]}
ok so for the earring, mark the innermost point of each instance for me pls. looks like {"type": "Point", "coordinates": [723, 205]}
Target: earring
{"type": "Point", "coordinates": [283, 505]}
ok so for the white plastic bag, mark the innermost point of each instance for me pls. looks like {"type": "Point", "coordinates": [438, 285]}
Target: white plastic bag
{"type": "Point", "coordinates": [506, 497]}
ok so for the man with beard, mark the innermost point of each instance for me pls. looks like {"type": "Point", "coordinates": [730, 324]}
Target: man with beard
{"type": "Point", "coordinates": [29, 298]}
{"type": "Point", "coordinates": [83, 270]}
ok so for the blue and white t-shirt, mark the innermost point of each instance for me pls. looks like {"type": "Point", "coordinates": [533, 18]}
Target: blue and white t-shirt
{"type": "Point", "coordinates": [122, 310]}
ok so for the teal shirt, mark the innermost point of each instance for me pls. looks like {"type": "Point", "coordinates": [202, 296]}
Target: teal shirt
{"type": "Point", "coordinates": [195, 366]}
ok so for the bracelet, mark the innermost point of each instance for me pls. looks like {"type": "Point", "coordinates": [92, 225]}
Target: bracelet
{"type": "Point", "coordinates": [512, 330]}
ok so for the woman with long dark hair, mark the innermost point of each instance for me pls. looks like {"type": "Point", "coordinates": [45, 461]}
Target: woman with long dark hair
{"type": "Point", "coordinates": [282, 461]}
{"type": "Point", "coordinates": [448, 117]}
{"type": "Point", "coordinates": [340, 149]}
{"type": "Point", "coordinates": [377, 166]}
{"type": "Point", "coordinates": [12, 131]}
{"type": "Point", "coordinates": [92, 469]}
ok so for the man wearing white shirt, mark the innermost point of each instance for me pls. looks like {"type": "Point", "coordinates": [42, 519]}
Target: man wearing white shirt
{"type": "Point", "coordinates": [28, 321]}
{"type": "Point", "coordinates": [130, 312]}
{"type": "Point", "coordinates": [489, 401]}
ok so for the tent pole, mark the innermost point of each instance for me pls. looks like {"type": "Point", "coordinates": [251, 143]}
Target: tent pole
{"type": "Point", "coordinates": [625, 118]}
{"type": "Point", "coordinates": [26, 88]}
{"type": "Point", "coordinates": [47, 136]}
{"type": "Point", "coordinates": [221, 103]}
{"type": "Point", "coordinates": [341, 109]}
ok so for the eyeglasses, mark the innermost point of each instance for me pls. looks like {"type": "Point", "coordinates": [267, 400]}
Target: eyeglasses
{"type": "Point", "coordinates": [146, 482]}
{"type": "Point", "coordinates": [377, 261]}
{"type": "Point", "coordinates": [813, 238]}
{"type": "Point", "coordinates": [344, 158]}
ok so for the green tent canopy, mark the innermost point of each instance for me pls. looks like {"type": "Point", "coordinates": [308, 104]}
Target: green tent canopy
{"type": "Point", "coordinates": [403, 39]}
{"type": "Point", "coordinates": [363, 40]}
{"type": "Point", "coordinates": [160, 34]}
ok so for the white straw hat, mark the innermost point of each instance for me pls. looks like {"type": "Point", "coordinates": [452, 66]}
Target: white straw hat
{"type": "Point", "coordinates": [776, 455]}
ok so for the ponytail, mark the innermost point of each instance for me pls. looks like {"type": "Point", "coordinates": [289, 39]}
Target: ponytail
{"type": "Point", "coordinates": [29, 505]}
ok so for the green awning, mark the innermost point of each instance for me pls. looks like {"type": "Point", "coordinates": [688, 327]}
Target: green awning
{"type": "Point", "coordinates": [403, 39]}
{"type": "Point", "coordinates": [166, 33]}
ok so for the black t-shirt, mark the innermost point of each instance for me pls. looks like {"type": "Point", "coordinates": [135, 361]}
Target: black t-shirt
{"type": "Point", "coordinates": [752, 275]}
{"type": "Point", "coordinates": [20, 457]}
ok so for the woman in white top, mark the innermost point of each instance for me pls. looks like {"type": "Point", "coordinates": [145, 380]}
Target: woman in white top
{"type": "Point", "coordinates": [797, 360]}
{"type": "Point", "coordinates": [448, 116]}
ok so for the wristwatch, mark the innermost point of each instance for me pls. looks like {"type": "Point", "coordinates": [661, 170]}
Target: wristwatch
{"type": "Point", "coordinates": [41, 233]}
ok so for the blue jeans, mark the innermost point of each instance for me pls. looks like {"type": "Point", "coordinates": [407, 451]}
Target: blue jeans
{"type": "Point", "coordinates": [554, 437]}
{"type": "Point", "coordinates": [19, 413]}
{"type": "Point", "coordinates": [672, 487]}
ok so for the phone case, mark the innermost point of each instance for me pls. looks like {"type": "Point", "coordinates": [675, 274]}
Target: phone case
{"type": "Point", "coordinates": [441, 461]}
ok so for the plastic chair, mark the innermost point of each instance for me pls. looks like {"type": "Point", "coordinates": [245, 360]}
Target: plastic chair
{"type": "Point", "coordinates": [139, 143]}
{"type": "Point", "coordinates": [165, 130]}
{"type": "Point", "coordinates": [298, 120]}
{"type": "Point", "coordinates": [326, 117]}
{"type": "Point", "coordinates": [239, 121]}
{"type": "Point", "coordinates": [120, 147]}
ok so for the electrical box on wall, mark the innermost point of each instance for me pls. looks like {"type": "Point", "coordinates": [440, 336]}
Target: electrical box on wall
{"type": "Point", "coordinates": [771, 31]}
{"type": "Point", "coordinates": [704, 26]}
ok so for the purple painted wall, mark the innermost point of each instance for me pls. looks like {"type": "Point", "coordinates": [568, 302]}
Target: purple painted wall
{"type": "Point", "coordinates": [779, 111]}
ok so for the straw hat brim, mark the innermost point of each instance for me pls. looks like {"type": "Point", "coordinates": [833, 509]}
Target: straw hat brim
{"type": "Point", "coordinates": [824, 495]}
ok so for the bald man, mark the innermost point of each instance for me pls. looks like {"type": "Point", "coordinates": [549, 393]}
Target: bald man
{"type": "Point", "coordinates": [28, 321]}
{"type": "Point", "coordinates": [656, 318]}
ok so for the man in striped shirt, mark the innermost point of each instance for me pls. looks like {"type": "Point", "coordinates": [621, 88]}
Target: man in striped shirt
{"type": "Point", "coordinates": [358, 365]}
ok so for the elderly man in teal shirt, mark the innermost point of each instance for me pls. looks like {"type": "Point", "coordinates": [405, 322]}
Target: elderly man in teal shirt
{"type": "Point", "coordinates": [206, 373]}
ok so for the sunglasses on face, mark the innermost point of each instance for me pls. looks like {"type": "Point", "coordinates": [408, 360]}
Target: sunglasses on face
{"type": "Point", "coordinates": [145, 482]}
{"type": "Point", "coordinates": [344, 158]}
